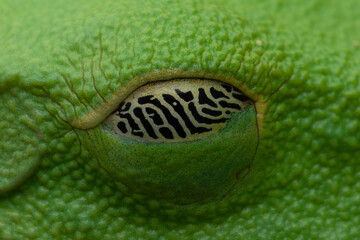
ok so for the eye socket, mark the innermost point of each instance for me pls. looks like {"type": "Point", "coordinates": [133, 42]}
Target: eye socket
{"type": "Point", "coordinates": [182, 140]}
{"type": "Point", "coordinates": [177, 110]}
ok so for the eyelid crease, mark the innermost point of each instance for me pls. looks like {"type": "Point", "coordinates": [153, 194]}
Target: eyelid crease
{"type": "Point", "coordinates": [94, 118]}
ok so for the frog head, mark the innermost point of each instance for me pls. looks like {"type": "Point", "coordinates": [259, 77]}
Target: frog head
{"type": "Point", "coordinates": [281, 163]}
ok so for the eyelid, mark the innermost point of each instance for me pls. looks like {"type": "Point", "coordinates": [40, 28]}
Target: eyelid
{"type": "Point", "coordinates": [97, 116]}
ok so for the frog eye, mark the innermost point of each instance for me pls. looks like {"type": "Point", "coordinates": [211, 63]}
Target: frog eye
{"type": "Point", "coordinates": [180, 140]}
{"type": "Point", "coordinates": [177, 110]}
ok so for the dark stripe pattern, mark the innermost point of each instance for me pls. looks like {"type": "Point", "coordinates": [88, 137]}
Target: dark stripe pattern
{"type": "Point", "coordinates": [177, 110]}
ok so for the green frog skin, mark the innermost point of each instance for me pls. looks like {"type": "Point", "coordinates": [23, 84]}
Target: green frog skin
{"type": "Point", "coordinates": [65, 66]}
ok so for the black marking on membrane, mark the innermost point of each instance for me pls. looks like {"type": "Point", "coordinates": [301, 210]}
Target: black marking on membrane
{"type": "Point", "coordinates": [127, 107]}
{"type": "Point", "coordinates": [186, 96]}
{"type": "Point", "coordinates": [203, 99]}
{"type": "Point", "coordinates": [166, 132]}
{"type": "Point", "coordinates": [211, 112]}
{"type": "Point", "coordinates": [217, 94]}
{"type": "Point", "coordinates": [154, 115]}
{"type": "Point", "coordinates": [237, 90]}
{"type": "Point", "coordinates": [121, 105]}
{"type": "Point", "coordinates": [202, 119]}
{"type": "Point", "coordinates": [135, 130]}
{"type": "Point", "coordinates": [139, 114]}
{"type": "Point", "coordinates": [171, 119]}
{"type": "Point", "coordinates": [225, 104]}
{"type": "Point", "coordinates": [122, 127]}
{"type": "Point", "coordinates": [226, 87]}
{"type": "Point", "coordinates": [180, 110]}
{"type": "Point", "coordinates": [240, 97]}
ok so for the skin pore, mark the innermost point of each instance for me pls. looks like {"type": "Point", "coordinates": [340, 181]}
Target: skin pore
{"type": "Point", "coordinates": [66, 65]}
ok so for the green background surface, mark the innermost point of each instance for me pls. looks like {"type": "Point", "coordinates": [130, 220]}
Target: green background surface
{"type": "Point", "coordinates": [60, 59]}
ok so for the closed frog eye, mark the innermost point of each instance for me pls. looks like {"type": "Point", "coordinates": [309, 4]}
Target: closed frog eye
{"type": "Point", "coordinates": [181, 140]}
{"type": "Point", "coordinates": [177, 110]}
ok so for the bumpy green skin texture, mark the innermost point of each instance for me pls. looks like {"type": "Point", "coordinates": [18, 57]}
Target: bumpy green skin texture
{"type": "Point", "coordinates": [64, 58]}
{"type": "Point", "coordinates": [19, 144]}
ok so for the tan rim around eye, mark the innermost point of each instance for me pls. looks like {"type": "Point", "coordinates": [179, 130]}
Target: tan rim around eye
{"type": "Point", "coordinates": [95, 117]}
